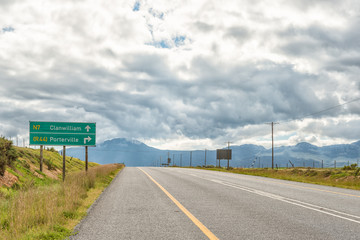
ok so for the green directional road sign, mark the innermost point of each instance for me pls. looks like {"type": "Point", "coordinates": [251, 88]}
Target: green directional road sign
{"type": "Point", "coordinates": [62, 133]}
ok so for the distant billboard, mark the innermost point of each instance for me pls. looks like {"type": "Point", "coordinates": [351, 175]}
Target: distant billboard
{"type": "Point", "coordinates": [223, 154]}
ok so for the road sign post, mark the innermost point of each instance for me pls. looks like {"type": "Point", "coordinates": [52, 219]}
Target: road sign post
{"type": "Point", "coordinates": [86, 158]}
{"type": "Point", "coordinates": [63, 134]}
{"type": "Point", "coordinates": [41, 158]}
{"type": "Point", "coordinates": [64, 160]}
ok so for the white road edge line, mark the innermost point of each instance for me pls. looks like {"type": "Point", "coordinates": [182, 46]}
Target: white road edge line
{"type": "Point", "coordinates": [287, 200]}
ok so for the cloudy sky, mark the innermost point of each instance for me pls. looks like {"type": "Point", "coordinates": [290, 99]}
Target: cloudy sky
{"type": "Point", "coordinates": [184, 74]}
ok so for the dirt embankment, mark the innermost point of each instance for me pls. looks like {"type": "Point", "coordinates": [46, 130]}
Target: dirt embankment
{"type": "Point", "coordinates": [8, 179]}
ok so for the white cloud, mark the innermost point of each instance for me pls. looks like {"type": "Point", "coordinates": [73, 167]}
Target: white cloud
{"type": "Point", "coordinates": [182, 74]}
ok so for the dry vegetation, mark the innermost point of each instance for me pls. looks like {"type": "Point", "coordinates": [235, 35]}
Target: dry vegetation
{"type": "Point", "coordinates": [42, 212]}
{"type": "Point", "coordinates": [347, 177]}
{"type": "Point", "coordinates": [39, 205]}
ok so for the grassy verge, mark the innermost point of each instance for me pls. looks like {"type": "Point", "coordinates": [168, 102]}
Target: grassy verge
{"type": "Point", "coordinates": [330, 177]}
{"type": "Point", "coordinates": [52, 211]}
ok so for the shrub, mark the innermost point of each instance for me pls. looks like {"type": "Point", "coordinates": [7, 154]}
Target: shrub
{"type": "Point", "coordinates": [52, 149]}
{"type": "Point", "coordinates": [351, 167]}
{"type": "Point", "coordinates": [296, 171]}
{"type": "Point", "coordinates": [8, 154]}
{"type": "Point", "coordinates": [310, 173]}
{"type": "Point", "coordinates": [2, 164]}
{"type": "Point", "coordinates": [357, 172]}
{"type": "Point", "coordinates": [327, 173]}
{"type": "Point", "coordinates": [49, 164]}
{"type": "Point", "coordinates": [25, 164]}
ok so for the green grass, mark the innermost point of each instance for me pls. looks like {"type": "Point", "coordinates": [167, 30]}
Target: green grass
{"type": "Point", "coordinates": [51, 211]}
{"type": "Point", "coordinates": [330, 177]}
{"type": "Point", "coordinates": [28, 164]}
{"type": "Point", "coordinates": [40, 205]}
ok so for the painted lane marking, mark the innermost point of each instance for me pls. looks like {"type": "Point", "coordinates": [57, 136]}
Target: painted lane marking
{"type": "Point", "coordinates": [315, 189]}
{"type": "Point", "coordinates": [241, 176]}
{"type": "Point", "coordinates": [324, 210]}
{"type": "Point", "coordinates": [297, 203]}
{"type": "Point", "coordinates": [201, 226]}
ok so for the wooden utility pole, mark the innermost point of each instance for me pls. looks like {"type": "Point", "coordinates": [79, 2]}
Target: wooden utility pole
{"type": "Point", "coordinates": [41, 158]}
{"type": "Point", "coordinates": [205, 158]}
{"type": "Point", "coordinates": [272, 144]}
{"type": "Point", "coordinates": [190, 157]}
{"type": "Point", "coordinates": [181, 160]}
{"type": "Point", "coordinates": [173, 159]}
{"type": "Point", "coordinates": [259, 162]}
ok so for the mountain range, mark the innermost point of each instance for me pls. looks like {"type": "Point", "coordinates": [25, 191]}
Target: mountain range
{"type": "Point", "coordinates": [135, 153]}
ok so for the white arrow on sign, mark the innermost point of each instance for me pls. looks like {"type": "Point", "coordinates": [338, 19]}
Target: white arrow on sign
{"type": "Point", "coordinates": [87, 139]}
{"type": "Point", "coordinates": [88, 128]}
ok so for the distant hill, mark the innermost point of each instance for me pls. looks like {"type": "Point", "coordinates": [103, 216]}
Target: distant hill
{"type": "Point", "coordinates": [135, 153]}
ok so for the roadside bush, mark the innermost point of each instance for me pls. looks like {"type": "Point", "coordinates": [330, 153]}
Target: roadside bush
{"type": "Point", "coordinates": [351, 167]}
{"type": "Point", "coordinates": [2, 164]}
{"type": "Point", "coordinates": [8, 155]}
{"type": "Point", "coordinates": [357, 172]}
{"type": "Point", "coordinates": [49, 164]}
{"type": "Point", "coordinates": [310, 173]}
{"type": "Point", "coordinates": [327, 173]}
{"type": "Point", "coordinates": [25, 164]}
{"type": "Point", "coordinates": [52, 149]}
{"type": "Point", "coordinates": [296, 171]}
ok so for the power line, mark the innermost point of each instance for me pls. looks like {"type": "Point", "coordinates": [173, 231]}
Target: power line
{"type": "Point", "coordinates": [325, 110]}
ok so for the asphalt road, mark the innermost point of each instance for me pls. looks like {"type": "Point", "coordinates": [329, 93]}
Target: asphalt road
{"type": "Point", "coordinates": [174, 203]}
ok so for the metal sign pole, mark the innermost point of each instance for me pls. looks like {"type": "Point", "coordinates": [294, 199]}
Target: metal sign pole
{"type": "Point", "coordinates": [86, 158]}
{"type": "Point", "coordinates": [41, 158]}
{"type": "Point", "coordinates": [64, 149]}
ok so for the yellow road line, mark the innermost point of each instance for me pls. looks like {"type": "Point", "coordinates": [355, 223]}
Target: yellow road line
{"type": "Point", "coordinates": [196, 221]}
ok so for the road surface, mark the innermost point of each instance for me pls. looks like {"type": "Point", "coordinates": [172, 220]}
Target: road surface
{"type": "Point", "coordinates": [175, 203]}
